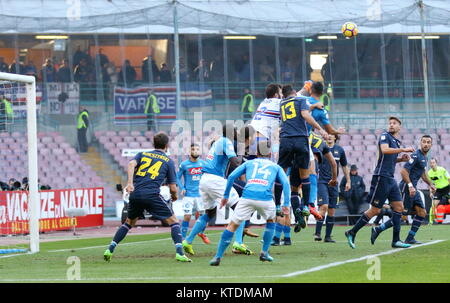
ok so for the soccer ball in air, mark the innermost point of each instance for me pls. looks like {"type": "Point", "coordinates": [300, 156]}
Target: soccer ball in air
{"type": "Point", "coordinates": [349, 30]}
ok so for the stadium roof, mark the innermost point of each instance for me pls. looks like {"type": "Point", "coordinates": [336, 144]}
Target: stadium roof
{"type": "Point", "coordinates": [257, 17]}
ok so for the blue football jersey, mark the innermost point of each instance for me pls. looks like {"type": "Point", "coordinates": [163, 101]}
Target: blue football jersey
{"type": "Point", "coordinates": [153, 168]}
{"type": "Point", "coordinates": [191, 172]}
{"type": "Point", "coordinates": [261, 175]}
{"type": "Point", "coordinates": [320, 115]}
{"type": "Point", "coordinates": [386, 163]}
{"type": "Point", "coordinates": [218, 157]}
{"type": "Point", "coordinates": [292, 122]}
{"type": "Point", "coordinates": [416, 167]}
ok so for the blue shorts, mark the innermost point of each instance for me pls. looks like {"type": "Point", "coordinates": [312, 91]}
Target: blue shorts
{"type": "Point", "coordinates": [382, 189]}
{"type": "Point", "coordinates": [294, 152]}
{"type": "Point", "coordinates": [327, 195]}
{"type": "Point", "coordinates": [408, 201]}
{"type": "Point", "coordinates": [154, 204]}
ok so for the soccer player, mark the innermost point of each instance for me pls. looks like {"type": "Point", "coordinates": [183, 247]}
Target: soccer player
{"type": "Point", "coordinates": [261, 174]}
{"type": "Point", "coordinates": [146, 172]}
{"type": "Point", "coordinates": [411, 173]}
{"type": "Point", "coordinates": [383, 185]}
{"type": "Point", "coordinates": [294, 143]}
{"type": "Point", "coordinates": [213, 183]}
{"type": "Point", "coordinates": [328, 194]}
{"type": "Point", "coordinates": [315, 90]}
{"type": "Point", "coordinates": [191, 171]}
{"type": "Point", "coordinates": [441, 180]}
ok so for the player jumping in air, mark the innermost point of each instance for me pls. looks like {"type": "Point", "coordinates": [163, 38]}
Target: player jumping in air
{"type": "Point", "coordinates": [383, 185]}
{"type": "Point", "coordinates": [411, 173]}
{"type": "Point", "coordinates": [191, 171]}
{"type": "Point", "coordinates": [146, 172]}
{"type": "Point", "coordinates": [294, 143]}
{"type": "Point", "coordinates": [261, 174]}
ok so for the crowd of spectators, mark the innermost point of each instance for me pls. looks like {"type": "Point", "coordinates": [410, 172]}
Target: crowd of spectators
{"type": "Point", "coordinates": [15, 185]}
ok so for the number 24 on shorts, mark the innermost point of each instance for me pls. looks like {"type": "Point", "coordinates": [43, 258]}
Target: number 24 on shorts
{"type": "Point", "coordinates": [152, 170]}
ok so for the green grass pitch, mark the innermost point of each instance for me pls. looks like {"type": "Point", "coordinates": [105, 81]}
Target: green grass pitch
{"type": "Point", "coordinates": [151, 258]}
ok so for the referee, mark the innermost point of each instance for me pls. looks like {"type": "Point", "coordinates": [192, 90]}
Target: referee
{"type": "Point", "coordinates": [441, 180]}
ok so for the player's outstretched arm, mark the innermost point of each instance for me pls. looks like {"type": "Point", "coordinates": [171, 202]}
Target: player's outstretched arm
{"type": "Point", "coordinates": [283, 180]}
{"type": "Point", "coordinates": [385, 149]}
{"type": "Point", "coordinates": [428, 181]}
{"type": "Point", "coordinates": [332, 131]}
{"type": "Point", "coordinates": [310, 120]}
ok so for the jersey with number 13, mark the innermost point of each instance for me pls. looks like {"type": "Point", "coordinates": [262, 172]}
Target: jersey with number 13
{"type": "Point", "coordinates": [292, 122]}
{"type": "Point", "coordinates": [152, 169]}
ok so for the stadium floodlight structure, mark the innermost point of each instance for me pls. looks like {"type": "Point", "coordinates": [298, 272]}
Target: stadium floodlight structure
{"type": "Point", "coordinates": [33, 195]}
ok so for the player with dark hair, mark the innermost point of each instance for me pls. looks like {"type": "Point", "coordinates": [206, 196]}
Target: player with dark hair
{"type": "Point", "coordinates": [328, 193]}
{"type": "Point", "coordinates": [191, 171]}
{"type": "Point", "coordinates": [412, 172]}
{"type": "Point", "coordinates": [261, 174]}
{"type": "Point", "coordinates": [294, 143]}
{"type": "Point", "coordinates": [213, 183]}
{"type": "Point", "coordinates": [146, 172]}
{"type": "Point", "coordinates": [383, 185]}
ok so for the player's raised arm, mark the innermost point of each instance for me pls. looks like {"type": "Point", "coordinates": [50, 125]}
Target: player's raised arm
{"type": "Point", "coordinates": [385, 149]}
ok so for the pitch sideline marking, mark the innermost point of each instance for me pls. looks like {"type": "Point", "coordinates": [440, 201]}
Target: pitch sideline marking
{"type": "Point", "coordinates": [334, 264]}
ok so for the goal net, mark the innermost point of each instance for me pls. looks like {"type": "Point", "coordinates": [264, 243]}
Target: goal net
{"type": "Point", "coordinates": [19, 196]}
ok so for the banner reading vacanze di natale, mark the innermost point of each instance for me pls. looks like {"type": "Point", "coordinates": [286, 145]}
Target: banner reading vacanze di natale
{"type": "Point", "coordinates": [53, 206]}
{"type": "Point", "coordinates": [129, 104]}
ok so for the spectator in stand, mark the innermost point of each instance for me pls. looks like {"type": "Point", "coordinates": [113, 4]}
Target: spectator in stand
{"type": "Point", "coordinates": [184, 75]}
{"type": "Point", "coordinates": [287, 72]}
{"type": "Point", "coordinates": [3, 66]}
{"type": "Point", "coordinates": [353, 197]}
{"type": "Point", "coordinates": [201, 72]}
{"type": "Point", "coordinates": [48, 73]}
{"type": "Point", "coordinates": [112, 73]}
{"type": "Point", "coordinates": [78, 55]}
{"type": "Point", "coordinates": [16, 68]}
{"type": "Point", "coordinates": [11, 183]}
{"type": "Point", "coordinates": [243, 69]}
{"type": "Point", "coordinates": [64, 74]}
{"type": "Point", "coordinates": [4, 186]}
{"type": "Point", "coordinates": [165, 75]}
{"type": "Point", "coordinates": [127, 74]}
{"type": "Point", "coordinates": [150, 72]}
{"type": "Point", "coordinates": [216, 69]}
{"type": "Point", "coordinates": [82, 71]}
{"type": "Point", "coordinates": [30, 69]}
{"type": "Point", "coordinates": [266, 72]}
{"type": "Point", "coordinates": [101, 58]}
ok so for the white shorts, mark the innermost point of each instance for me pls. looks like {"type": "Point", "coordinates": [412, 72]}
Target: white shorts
{"type": "Point", "coordinates": [246, 207]}
{"type": "Point", "coordinates": [212, 188]}
{"type": "Point", "coordinates": [192, 203]}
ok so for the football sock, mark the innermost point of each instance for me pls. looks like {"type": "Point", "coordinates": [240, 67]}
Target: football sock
{"type": "Point", "coordinates": [277, 193]}
{"type": "Point", "coordinates": [417, 221]}
{"type": "Point", "coordinates": [287, 231]}
{"type": "Point", "coordinates": [199, 226]}
{"type": "Point", "coordinates": [184, 228]}
{"type": "Point", "coordinates": [386, 225]}
{"type": "Point", "coordinates": [313, 193]}
{"type": "Point", "coordinates": [225, 240]}
{"type": "Point", "coordinates": [295, 201]}
{"type": "Point", "coordinates": [240, 233]}
{"type": "Point", "coordinates": [278, 230]}
{"type": "Point", "coordinates": [267, 237]}
{"type": "Point", "coordinates": [120, 234]}
{"type": "Point", "coordinates": [396, 218]}
{"type": "Point", "coordinates": [175, 232]}
{"type": "Point", "coordinates": [306, 190]}
{"type": "Point", "coordinates": [319, 224]}
{"type": "Point", "coordinates": [362, 221]}
{"type": "Point", "coordinates": [329, 226]}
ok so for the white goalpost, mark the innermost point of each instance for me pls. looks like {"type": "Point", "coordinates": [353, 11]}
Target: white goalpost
{"type": "Point", "coordinates": [33, 194]}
